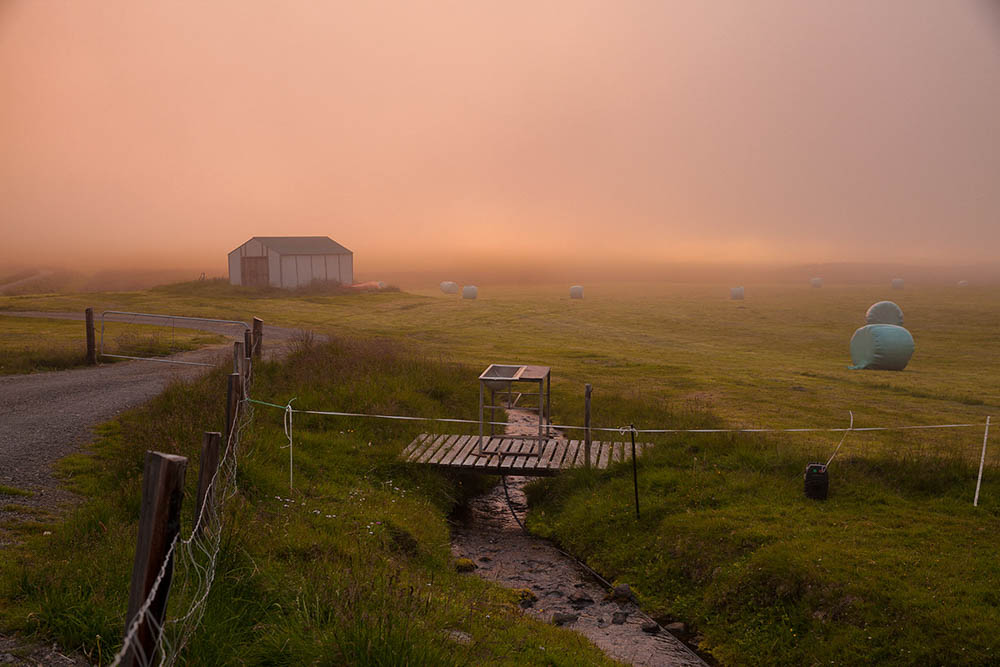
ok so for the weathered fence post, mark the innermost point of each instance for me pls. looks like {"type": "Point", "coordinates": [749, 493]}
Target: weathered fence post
{"type": "Point", "coordinates": [258, 337]}
{"type": "Point", "coordinates": [232, 403]}
{"type": "Point", "coordinates": [586, 424]}
{"type": "Point", "coordinates": [240, 365]}
{"type": "Point", "coordinates": [635, 473]}
{"type": "Point", "coordinates": [248, 348]}
{"type": "Point", "coordinates": [247, 365]}
{"type": "Point", "coordinates": [159, 524]}
{"type": "Point", "coordinates": [207, 465]}
{"type": "Point", "coordinates": [91, 342]}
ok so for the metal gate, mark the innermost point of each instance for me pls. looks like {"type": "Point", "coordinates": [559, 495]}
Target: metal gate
{"type": "Point", "coordinates": [160, 317]}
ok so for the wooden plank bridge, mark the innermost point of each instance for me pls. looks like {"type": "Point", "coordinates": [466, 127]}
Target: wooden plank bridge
{"type": "Point", "coordinates": [512, 455]}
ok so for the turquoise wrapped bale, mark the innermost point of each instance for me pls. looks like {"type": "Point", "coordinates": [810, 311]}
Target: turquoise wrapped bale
{"type": "Point", "coordinates": [885, 312]}
{"type": "Point", "coordinates": [881, 347]}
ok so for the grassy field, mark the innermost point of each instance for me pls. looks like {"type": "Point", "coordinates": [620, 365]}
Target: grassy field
{"type": "Point", "coordinates": [896, 567]}
{"type": "Point", "coordinates": [353, 566]}
{"type": "Point", "coordinates": [30, 344]}
{"type": "Point", "coordinates": [778, 358]}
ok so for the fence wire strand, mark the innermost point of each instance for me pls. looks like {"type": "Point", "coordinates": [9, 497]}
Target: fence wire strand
{"type": "Point", "coordinates": [195, 559]}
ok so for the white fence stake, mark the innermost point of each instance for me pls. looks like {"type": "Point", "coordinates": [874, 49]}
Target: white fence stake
{"type": "Point", "coordinates": [982, 459]}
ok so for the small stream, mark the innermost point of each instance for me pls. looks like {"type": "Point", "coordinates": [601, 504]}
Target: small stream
{"type": "Point", "coordinates": [491, 538]}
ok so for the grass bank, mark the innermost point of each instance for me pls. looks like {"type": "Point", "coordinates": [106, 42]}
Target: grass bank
{"type": "Point", "coordinates": [29, 345]}
{"type": "Point", "coordinates": [351, 567]}
{"type": "Point", "coordinates": [896, 567]}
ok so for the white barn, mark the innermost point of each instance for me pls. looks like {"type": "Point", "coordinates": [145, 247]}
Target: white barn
{"type": "Point", "coordinates": [290, 261]}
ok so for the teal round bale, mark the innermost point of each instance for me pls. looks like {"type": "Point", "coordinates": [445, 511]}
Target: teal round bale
{"type": "Point", "coordinates": [881, 347]}
{"type": "Point", "coordinates": [884, 312]}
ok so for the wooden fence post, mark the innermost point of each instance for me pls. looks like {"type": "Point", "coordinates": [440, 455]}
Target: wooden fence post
{"type": "Point", "coordinates": [159, 524]}
{"type": "Point", "coordinates": [586, 424]}
{"type": "Point", "coordinates": [247, 363]}
{"type": "Point", "coordinates": [258, 337]}
{"type": "Point", "coordinates": [247, 348]}
{"type": "Point", "coordinates": [91, 342]}
{"type": "Point", "coordinates": [232, 403]}
{"type": "Point", "coordinates": [207, 465]}
{"type": "Point", "coordinates": [239, 364]}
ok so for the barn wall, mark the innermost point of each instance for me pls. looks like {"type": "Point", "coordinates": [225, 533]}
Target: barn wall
{"type": "Point", "coordinates": [253, 248]}
{"type": "Point", "coordinates": [346, 269]}
{"type": "Point", "coordinates": [332, 267]}
{"type": "Point", "coordinates": [289, 274]}
{"type": "Point", "coordinates": [273, 268]}
{"type": "Point", "coordinates": [303, 265]}
{"type": "Point", "coordinates": [318, 267]}
{"type": "Point", "coordinates": [234, 267]}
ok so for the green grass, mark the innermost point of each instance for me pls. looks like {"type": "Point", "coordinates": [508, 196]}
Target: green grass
{"type": "Point", "coordinates": [353, 566]}
{"type": "Point", "coordinates": [896, 567]}
{"type": "Point", "coordinates": [29, 344]}
{"type": "Point", "coordinates": [14, 491]}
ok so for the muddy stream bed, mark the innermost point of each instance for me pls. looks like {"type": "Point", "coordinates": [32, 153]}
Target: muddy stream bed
{"type": "Point", "coordinates": [566, 593]}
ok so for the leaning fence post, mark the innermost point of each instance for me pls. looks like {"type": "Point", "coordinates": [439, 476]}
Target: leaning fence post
{"type": "Point", "coordinates": [207, 465]}
{"type": "Point", "coordinates": [586, 424]}
{"type": "Point", "coordinates": [91, 342]}
{"type": "Point", "coordinates": [982, 460]}
{"type": "Point", "coordinates": [159, 525]}
{"type": "Point", "coordinates": [258, 337]}
{"type": "Point", "coordinates": [232, 404]}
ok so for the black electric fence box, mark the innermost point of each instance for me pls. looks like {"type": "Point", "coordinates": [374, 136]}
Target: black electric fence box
{"type": "Point", "coordinates": [817, 481]}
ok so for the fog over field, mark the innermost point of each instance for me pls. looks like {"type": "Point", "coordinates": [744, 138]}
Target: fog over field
{"type": "Point", "coordinates": [513, 140]}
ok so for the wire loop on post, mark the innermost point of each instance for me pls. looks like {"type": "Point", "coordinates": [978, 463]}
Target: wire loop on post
{"type": "Point", "coordinates": [288, 434]}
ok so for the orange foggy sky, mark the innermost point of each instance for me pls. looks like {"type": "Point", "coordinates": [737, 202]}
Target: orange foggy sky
{"type": "Point", "coordinates": [420, 133]}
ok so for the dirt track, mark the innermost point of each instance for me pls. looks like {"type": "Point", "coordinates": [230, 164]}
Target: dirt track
{"type": "Point", "coordinates": [45, 416]}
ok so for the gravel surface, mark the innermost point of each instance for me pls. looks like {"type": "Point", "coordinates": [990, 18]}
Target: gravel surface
{"type": "Point", "coordinates": [565, 593]}
{"type": "Point", "coordinates": [45, 416]}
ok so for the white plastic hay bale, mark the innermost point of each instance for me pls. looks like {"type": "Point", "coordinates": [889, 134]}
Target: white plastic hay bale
{"type": "Point", "coordinates": [449, 287]}
{"type": "Point", "coordinates": [576, 292]}
{"type": "Point", "coordinates": [963, 283]}
{"type": "Point", "coordinates": [897, 283]}
{"type": "Point", "coordinates": [885, 312]}
{"type": "Point", "coordinates": [816, 282]}
{"type": "Point", "coordinates": [470, 292]}
{"type": "Point", "coordinates": [736, 293]}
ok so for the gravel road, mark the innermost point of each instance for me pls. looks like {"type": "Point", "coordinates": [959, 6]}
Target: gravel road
{"type": "Point", "coordinates": [46, 416]}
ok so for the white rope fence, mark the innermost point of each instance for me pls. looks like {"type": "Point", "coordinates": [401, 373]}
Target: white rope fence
{"type": "Point", "coordinates": [332, 413]}
{"type": "Point", "coordinates": [289, 411]}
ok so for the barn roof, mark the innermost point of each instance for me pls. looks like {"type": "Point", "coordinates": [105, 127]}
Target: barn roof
{"type": "Point", "coordinates": [303, 245]}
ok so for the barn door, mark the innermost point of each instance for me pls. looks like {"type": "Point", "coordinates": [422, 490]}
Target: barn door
{"type": "Point", "coordinates": [254, 271]}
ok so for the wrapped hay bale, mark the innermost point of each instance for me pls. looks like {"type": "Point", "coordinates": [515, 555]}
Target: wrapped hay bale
{"type": "Point", "coordinates": [816, 282]}
{"type": "Point", "coordinates": [576, 292]}
{"type": "Point", "coordinates": [897, 283]}
{"type": "Point", "coordinates": [884, 312]}
{"type": "Point", "coordinates": [736, 293]}
{"type": "Point", "coordinates": [470, 292]}
{"type": "Point", "coordinates": [449, 287]}
{"type": "Point", "coordinates": [963, 283]}
{"type": "Point", "coordinates": [881, 347]}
